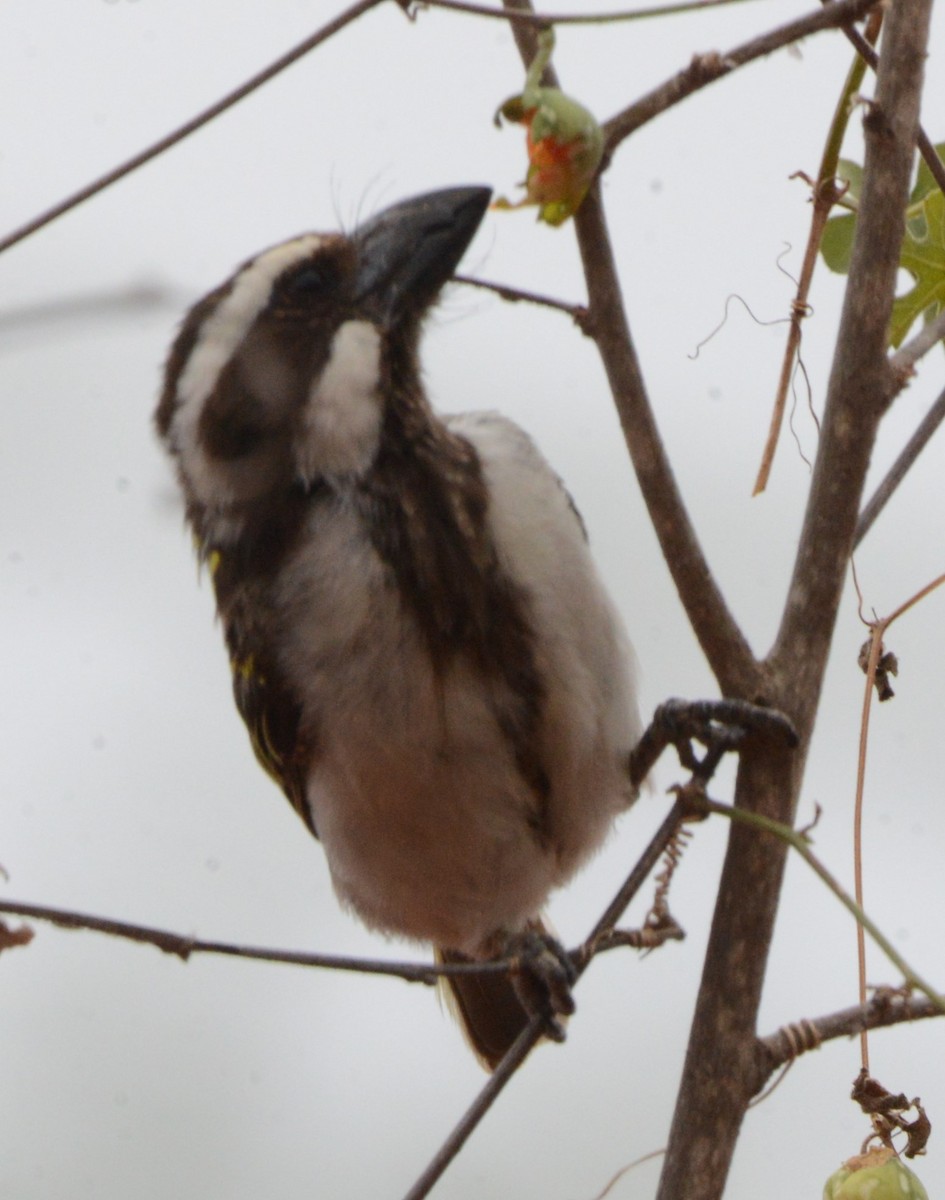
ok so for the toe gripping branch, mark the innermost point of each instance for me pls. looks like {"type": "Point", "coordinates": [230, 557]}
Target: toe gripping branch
{"type": "Point", "coordinates": [718, 725]}
{"type": "Point", "coordinates": [542, 975]}
{"type": "Point", "coordinates": [542, 971]}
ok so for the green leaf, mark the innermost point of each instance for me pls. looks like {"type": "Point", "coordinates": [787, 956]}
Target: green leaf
{"type": "Point", "coordinates": [925, 181]}
{"type": "Point", "coordinates": [923, 247]}
{"type": "Point", "coordinates": [852, 174]}
{"type": "Point", "coordinates": [836, 245]}
{"type": "Point", "coordinates": [923, 256]}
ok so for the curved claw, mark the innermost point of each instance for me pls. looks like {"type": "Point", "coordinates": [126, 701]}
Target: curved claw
{"type": "Point", "coordinates": [720, 725]}
{"type": "Point", "coordinates": [542, 975]}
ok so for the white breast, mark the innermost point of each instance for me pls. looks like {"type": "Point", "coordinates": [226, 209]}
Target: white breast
{"type": "Point", "coordinates": [415, 793]}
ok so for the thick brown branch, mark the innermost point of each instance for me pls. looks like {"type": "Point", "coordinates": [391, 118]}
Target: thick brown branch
{"type": "Point", "coordinates": [923, 141]}
{"type": "Point", "coordinates": [724, 1066]}
{"type": "Point", "coordinates": [724, 1063]}
{"type": "Point", "coordinates": [722, 642]}
{"type": "Point", "coordinates": [707, 68]}
{"type": "Point", "coordinates": [861, 379]}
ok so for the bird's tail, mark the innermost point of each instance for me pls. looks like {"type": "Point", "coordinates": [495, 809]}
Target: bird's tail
{"type": "Point", "coordinates": [486, 1006]}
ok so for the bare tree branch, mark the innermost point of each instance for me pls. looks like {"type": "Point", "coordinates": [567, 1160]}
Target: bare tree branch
{"type": "Point", "coordinates": [722, 642]}
{"type": "Point", "coordinates": [861, 378]}
{"type": "Point", "coordinates": [887, 1006]}
{"type": "Point", "coordinates": [799, 841]}
{"type": "Point", "coordinates": [531, 1034]}
{"type": "Point", "coordinates": [923, 141]}
{"type": "Point", "coordinates": [897, 472]}
{"type": "Point", "coordinates": [826, 190]}
{"type": "Point", "coordinates": [577, 312]}
{"type": "Point", "coordinates": [183, 946]}
{"type": "Point", "coordinates": [256, 81]}
{"type": "Point", "coordinates": [707, 68]}
{"type": "Point", "coordinates": [723, 1065]}
{"type": "Point", "coordinates": [925, 340]}
{"type": "Point", "coordinates": [540, 20]}
{"type": "Point", "coordinates": [726, 1062]}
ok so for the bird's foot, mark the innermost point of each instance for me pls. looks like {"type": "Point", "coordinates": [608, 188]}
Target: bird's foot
{"type": "Point", "coordinates": [542, 975]}
{"type": "Point", "coordinates": [719, 725]}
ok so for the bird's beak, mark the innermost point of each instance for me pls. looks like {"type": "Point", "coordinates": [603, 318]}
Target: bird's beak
{"type": "Point", "coordinates": [407, 252]}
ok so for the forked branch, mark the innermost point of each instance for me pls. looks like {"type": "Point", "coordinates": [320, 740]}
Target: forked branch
{"type": "Point", "coordinates": [722, 1058]}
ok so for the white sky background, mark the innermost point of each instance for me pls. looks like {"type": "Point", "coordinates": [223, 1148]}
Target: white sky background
{"type": "Point", "coordinates": [127, 787]}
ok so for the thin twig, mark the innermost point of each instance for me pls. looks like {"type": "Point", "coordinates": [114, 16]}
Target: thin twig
{"type": "Point", "coordinates": [184, 946]}
{"type": "Point", "coordinates": [531, 1034]}
{"type": "Point", "coordinates": [824, 195]}
{"type": "Point", "coordinates": [826, 191]}
{"type": "Point", "coordinates": [878, 630]}
{"type": "Point", "coordinates": [165, 143]}
{"type": "Point", "coordinates": [887, 1007]}
{"type": "Point", "coordinates": [852, 410]}
{"type": "Point", "coordinates": [577, 312]}
{"type": "Point", "coordinates": [897, 472]}
{"type": "Point", "coordinates": [913, 600]}
{"type": "Point", "coordinates": [722, 642]}
{"type": "Point", "coordinates": [707, 68]}
{"type": "Point", "coordinates": [601, 18]}
{"type": "Point", "coordinates": [923, 141]}
{"type": "Point", "coordinates": [797, 841]}
{"type": "Point", "coordinates": [925, 340]}
{"type": "Point", "coordinates": [630, 1166]}
{"type": "Point", "coordinates": [876, 649]}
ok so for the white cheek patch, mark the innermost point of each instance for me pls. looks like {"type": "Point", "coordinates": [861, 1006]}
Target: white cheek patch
{"type": "Point", "coordinates": [218, 341]}
{"type": "Point", "coordinates": [342, 421]}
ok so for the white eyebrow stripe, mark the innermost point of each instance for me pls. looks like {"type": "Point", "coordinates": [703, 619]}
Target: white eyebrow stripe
{"type": "Point", "coordinates": [230, 321]}
{"type": "Point", "coordinates": [218, 340]}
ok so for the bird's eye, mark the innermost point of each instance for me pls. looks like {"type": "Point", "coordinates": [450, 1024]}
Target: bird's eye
{"type": "Point", "coordinates": [313, 279]}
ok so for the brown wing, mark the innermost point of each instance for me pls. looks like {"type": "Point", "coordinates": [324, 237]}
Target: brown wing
{"type": "Point", "coordinates": [272, 719]}
{"type": "Point", "coordinates": [268, 705]}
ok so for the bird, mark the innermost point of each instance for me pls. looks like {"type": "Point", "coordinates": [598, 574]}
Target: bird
{"type": "Point", "coordinates": [422, 649]}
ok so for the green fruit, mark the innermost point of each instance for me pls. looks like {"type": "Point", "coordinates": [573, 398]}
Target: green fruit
{"type": "Point", "coordinates": [876, 1175]}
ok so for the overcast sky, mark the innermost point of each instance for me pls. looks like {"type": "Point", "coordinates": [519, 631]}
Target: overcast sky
{"type": "Point", "coordinates": [127, 786]}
